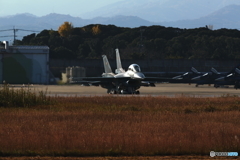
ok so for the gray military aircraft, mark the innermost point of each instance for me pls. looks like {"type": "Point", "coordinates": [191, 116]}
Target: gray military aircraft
{"type": "Point", "coordinates": [233, 78]}
{"type": "Point", "coordinates": [122, 82]}
{"type": "Point", "coordinates": [208, 77]}
{"type": "Point", "coordinates": [186, 77]}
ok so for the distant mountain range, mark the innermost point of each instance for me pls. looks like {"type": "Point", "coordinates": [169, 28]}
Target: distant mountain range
{"type": "Point", "coordinates": [227, 17]}
{"type": "Point", "coordinates": [162, 10]}
{"type": "Point", "coordinates": [31, 23]}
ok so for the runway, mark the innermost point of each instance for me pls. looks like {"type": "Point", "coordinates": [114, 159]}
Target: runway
{"type": "Point", "coordinates": [169, 90]}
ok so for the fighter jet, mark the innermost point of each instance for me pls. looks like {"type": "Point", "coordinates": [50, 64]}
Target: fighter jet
{"type": "Point", "coordinates": [219, 79]}
{"type": "Point", "coordinates": [233, 78]}
{"type": "Point", "coordinates": [122, 82]}
{"type": "Point", "coordinates": [208, 78]}
{"type": "Point", "coordinates": [186, 77]}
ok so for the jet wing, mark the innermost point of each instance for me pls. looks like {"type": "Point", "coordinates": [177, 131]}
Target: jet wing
{"type": "Point", "coordinates": [97, 81]}
{"type": "Point", "coordinates": [105, 79]}
{"type": "Point", "coordinates": [86, 83]}
{"type": "Point", "coordinates": [165, 80]}
{"type": "Point", "coordinates": [157, 79]}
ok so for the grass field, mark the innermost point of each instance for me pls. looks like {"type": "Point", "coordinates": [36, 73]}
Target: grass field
{"type": "Point", "coordinates": [120, 158]}
{"type": "Point", "coordinates": [119, 126]}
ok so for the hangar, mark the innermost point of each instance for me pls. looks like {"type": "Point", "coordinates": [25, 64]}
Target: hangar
{"type": "Point", "coordinates": [24, 64]}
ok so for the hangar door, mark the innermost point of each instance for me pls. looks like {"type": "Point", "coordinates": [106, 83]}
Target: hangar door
{"type": "Point", "coordinates": [21, 68]}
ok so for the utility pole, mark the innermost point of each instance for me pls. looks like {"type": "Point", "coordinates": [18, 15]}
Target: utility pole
{"type": "Point", "coordinates": [15, 33]}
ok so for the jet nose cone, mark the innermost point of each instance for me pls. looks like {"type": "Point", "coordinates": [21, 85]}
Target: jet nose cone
{"type": "Point", "coordinates": [139, 75]}
{"type": "Point", "coordinates": [220, 79]}
{"type": "Point", "coordinates": [196, 78]}
{"type": "Point", "coordinates": [177, 77]}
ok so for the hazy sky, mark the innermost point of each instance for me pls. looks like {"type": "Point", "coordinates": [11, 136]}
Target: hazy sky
{"type": "Point", "coordinates": [44, 7]}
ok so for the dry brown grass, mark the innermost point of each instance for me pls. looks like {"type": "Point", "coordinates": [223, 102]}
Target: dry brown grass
{"type": "Point", "coordinates": [23, 97]}
{"type": "Point", "coordinates": [120, 158]}
{"type": "Point", "coordinates": [130, 126]}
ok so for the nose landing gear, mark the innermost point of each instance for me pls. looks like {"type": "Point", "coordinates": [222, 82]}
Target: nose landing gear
{"type": "Point", "coordinates": [123, 91]}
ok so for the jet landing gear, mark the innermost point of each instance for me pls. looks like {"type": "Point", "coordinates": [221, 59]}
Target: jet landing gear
{"type": "Point", "coordinates": [131, 92]}
{"type": "Point", "coordinates": [237, 85]}
{"type": "Point", "coordinates": [122, 91]}
{"type": "Point", "coordinates": [112, 91]}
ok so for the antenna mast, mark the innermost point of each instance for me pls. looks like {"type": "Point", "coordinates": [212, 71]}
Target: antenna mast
{"type": "Point", "coordinates": [14, 33]}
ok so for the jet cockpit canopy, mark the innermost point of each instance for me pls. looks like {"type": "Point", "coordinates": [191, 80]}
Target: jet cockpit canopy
{"type": "Point", "coordinates": [134, 68]}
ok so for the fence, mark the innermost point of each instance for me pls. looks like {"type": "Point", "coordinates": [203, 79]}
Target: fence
{"type": "Point", "coordinates": [95, 67]}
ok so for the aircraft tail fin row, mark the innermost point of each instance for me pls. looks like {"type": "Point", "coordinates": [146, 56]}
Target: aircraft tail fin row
{"type": "Point", "coordinates": [107, 67]}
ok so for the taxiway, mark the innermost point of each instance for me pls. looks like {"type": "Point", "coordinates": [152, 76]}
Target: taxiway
{"type": "Point", "coordinates": [169, 90]}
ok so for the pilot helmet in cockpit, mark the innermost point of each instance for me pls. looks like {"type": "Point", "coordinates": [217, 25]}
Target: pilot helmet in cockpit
{"type": "Point", "coordinates": [134, 68]}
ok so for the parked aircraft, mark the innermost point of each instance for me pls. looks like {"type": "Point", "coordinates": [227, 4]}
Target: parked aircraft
{"type": "Point", "coordinates": [208, 78]}
{"type": "Point", "coordinates": [122, 82]}
{"type": "Point", "coordinates": [214, 77]}
{"type": "Point", "coordinates": [218, 79]}
{"type": "Point", "coordinates": [186, 77]}
{"type": "Point", "coordinates": [233, 78]}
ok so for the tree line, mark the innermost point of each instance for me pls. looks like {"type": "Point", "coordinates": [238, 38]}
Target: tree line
{"type": "Point", "coordinates": [153, 42]}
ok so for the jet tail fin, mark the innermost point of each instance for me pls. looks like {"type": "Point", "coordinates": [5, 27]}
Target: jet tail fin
{"type": "Point", "coordinates": [194, 70]}
{"type": "Point", "coordinates": [213, 70]}
{"type": "Point", "coordinates": [237, 71]}
{"type": "Point", "coordinates": [119, 64]}
{"type": "Point", "coordinates": [107, 67]}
